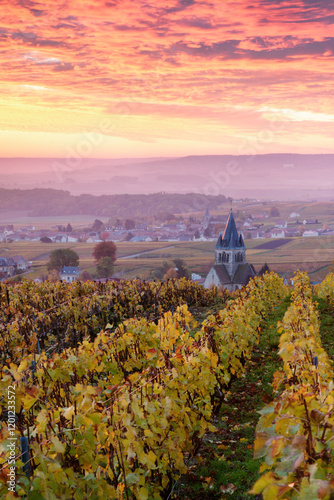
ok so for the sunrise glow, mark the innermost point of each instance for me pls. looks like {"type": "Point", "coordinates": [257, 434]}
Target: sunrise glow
{"type": "Point", "coordinates": [164, 78]}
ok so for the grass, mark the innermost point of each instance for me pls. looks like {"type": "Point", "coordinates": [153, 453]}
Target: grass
{"type": "Point", "coordinates": [225, 467]}
{"type": "Point", "coordinates": [326, 312]}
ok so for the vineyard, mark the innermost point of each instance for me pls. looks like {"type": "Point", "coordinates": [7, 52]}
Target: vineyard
{"type": "Point", "coordinates": [121, 389]}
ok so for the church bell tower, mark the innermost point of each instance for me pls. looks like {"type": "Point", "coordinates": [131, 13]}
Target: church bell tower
{"type": "Point", "coordinates": [230, 249]}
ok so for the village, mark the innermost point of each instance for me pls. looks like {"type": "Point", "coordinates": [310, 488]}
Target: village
{"type": "Point", "coordinates": [252, 225]}
{"type": "Point", "coordinates": [179, 228]}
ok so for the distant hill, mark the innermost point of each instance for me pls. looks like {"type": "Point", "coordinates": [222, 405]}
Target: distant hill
{"type": "Point", "coordinates": [56, 202]}
{"type": "Point", "coordinates": [267, 176]}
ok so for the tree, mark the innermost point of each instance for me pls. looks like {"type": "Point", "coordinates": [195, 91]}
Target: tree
{"type": "Point", "coordinates": [171, 274]}
{"type": "Point", "coordinates": [207, 232]}
{"type": "Point", "coordinates": [105, 249]}
{"type": "Point", "coordinates": [62, 257]}
{"type": "Point", "coordinates": [129, 236]}
{"type": "Point", "coordinates": [69, 228]}
{"type": "Point", "coordinates": [129, 224]}
{"type": "Point", "coordinates": [105, 267]}
{"type": "Point", "coordinates": [160, 271]}
{"type": "Point", "coordinates": [53, 276]}
{"type": "Point", "coordinates": [181, 270]}
{"type": "Point", "coordinates": [86, 276]}
{"type": "Point", "coordinates": [98, 225]}
{"type": "Point", "coordinates": [274, 212]}
{"type": "Point", "coordinates": [45, 239]}
{"type": "Point", "coordinates": [104, 235]}
{"type": "Point", "coordinates": [196, 234]}
{"type": "Point", "coordinates": [264, 269]}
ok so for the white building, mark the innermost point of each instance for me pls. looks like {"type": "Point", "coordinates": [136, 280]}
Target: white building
{"type": "Point", "coordinates": [70, 274]}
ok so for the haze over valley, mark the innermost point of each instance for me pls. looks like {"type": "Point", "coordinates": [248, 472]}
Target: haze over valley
{"type": "Point", "coordinates": [269, 176]}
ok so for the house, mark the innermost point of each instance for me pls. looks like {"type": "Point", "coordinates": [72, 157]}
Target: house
{"type": "Point", "coordinates": [7, 265]}
{"type": "Point", "coordinates": [93, 239]}
{"type": "Point", "coordinates": [277, 233]}
{"type": "Point", "coordinates": [185, 237]}
{"type": "Point", "coordinates": [282, 224]}
{"type": "Point", "coordinates": [255, 234]}
{"type": "Point", "coordinates": [137, 239]}
{"type": "Point", "coordinates": [294, 215]}
{"type": "Point", "coordinates": [20, 262]}
{"type": "Point", "coordinates": [60, 238]}
{"type": "Point", "coordinates": [291, 233]}
{"type": "Point", "coordinates": [310, 233]}
{"type": "Point", "coordinates": [195, 277]}
{"type": "Point", "coordinates": [71, 238]}
{"type": "Point", "coordinates": [230, 270]}
{"type": "Point", "coordinates": [260, 216]}
{"type": "Point", "coordinates": [248, 223]}
{"type": "Point", "coordinates": [70, 274]}
{"type": "Point", "coordinates": [310, 221]}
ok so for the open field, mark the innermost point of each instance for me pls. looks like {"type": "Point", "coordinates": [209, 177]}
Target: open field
{"type": "Point", "coordinates": [311, 254]}
{"type": "Point", "coordinates": [21, 219]}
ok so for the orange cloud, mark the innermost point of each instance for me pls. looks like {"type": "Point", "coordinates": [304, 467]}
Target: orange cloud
{"type": "Point", "coordinates": [171, 70]}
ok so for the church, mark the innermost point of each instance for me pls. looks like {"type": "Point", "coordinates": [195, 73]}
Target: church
{"type": "Point", "coordinates": [230, 270]}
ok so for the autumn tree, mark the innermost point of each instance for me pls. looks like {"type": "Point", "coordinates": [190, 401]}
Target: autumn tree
{"type": "Point", "coordinates": [171, 274]}
{"type": "Point", "coordinates": [160, 271]}
{"type": "Point", "coordinates": [105, 249]}
{"type": "Point", "coordinates": [53, 276]}
{"type": "Point", "coordinates": [62, 257]}
{"type": "Point", "coordinates": [264, 269]}
{"type": "Point", "coordinates": [105, 267]}
{"type": "Point", "coordinates": [86, 276]}
{"type": "Point", "coordinates": [181, 269]}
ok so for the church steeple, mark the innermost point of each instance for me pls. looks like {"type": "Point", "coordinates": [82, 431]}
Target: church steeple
{"type": "Point", "coordinates": [230, 269]}
{"type": "Point", "coordinates": [230, 249]}
{"type": "Point", "coordinates": [230, 238]}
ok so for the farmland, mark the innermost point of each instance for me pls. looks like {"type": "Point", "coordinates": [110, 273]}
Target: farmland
{"type": "Point", "coordinates": [314, 255]}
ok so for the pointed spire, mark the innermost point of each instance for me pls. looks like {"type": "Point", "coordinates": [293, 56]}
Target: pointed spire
{"type": "Point", "coordinates": [230, 238]}
{"type": "Point", "coordinates": [219, 242]}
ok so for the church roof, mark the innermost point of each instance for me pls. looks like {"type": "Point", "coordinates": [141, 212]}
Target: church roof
{"type": "Point", "coordinates": [230, 239]}
{"type": "Point", "coordinates": [243, 273]}
{"type": "Point", "coordinates": [241, 277]}
{"type": "Point", "coordinates": [222, 274]}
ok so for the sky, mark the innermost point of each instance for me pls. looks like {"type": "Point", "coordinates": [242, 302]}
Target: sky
{"type": "Point", "coordinates": [143, 78]}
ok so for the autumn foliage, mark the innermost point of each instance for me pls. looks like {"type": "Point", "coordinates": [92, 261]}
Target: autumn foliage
{"type": "Point", "coordinates": [119, 415]}
{"type": "Point", "coordinates": [105, 249]}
